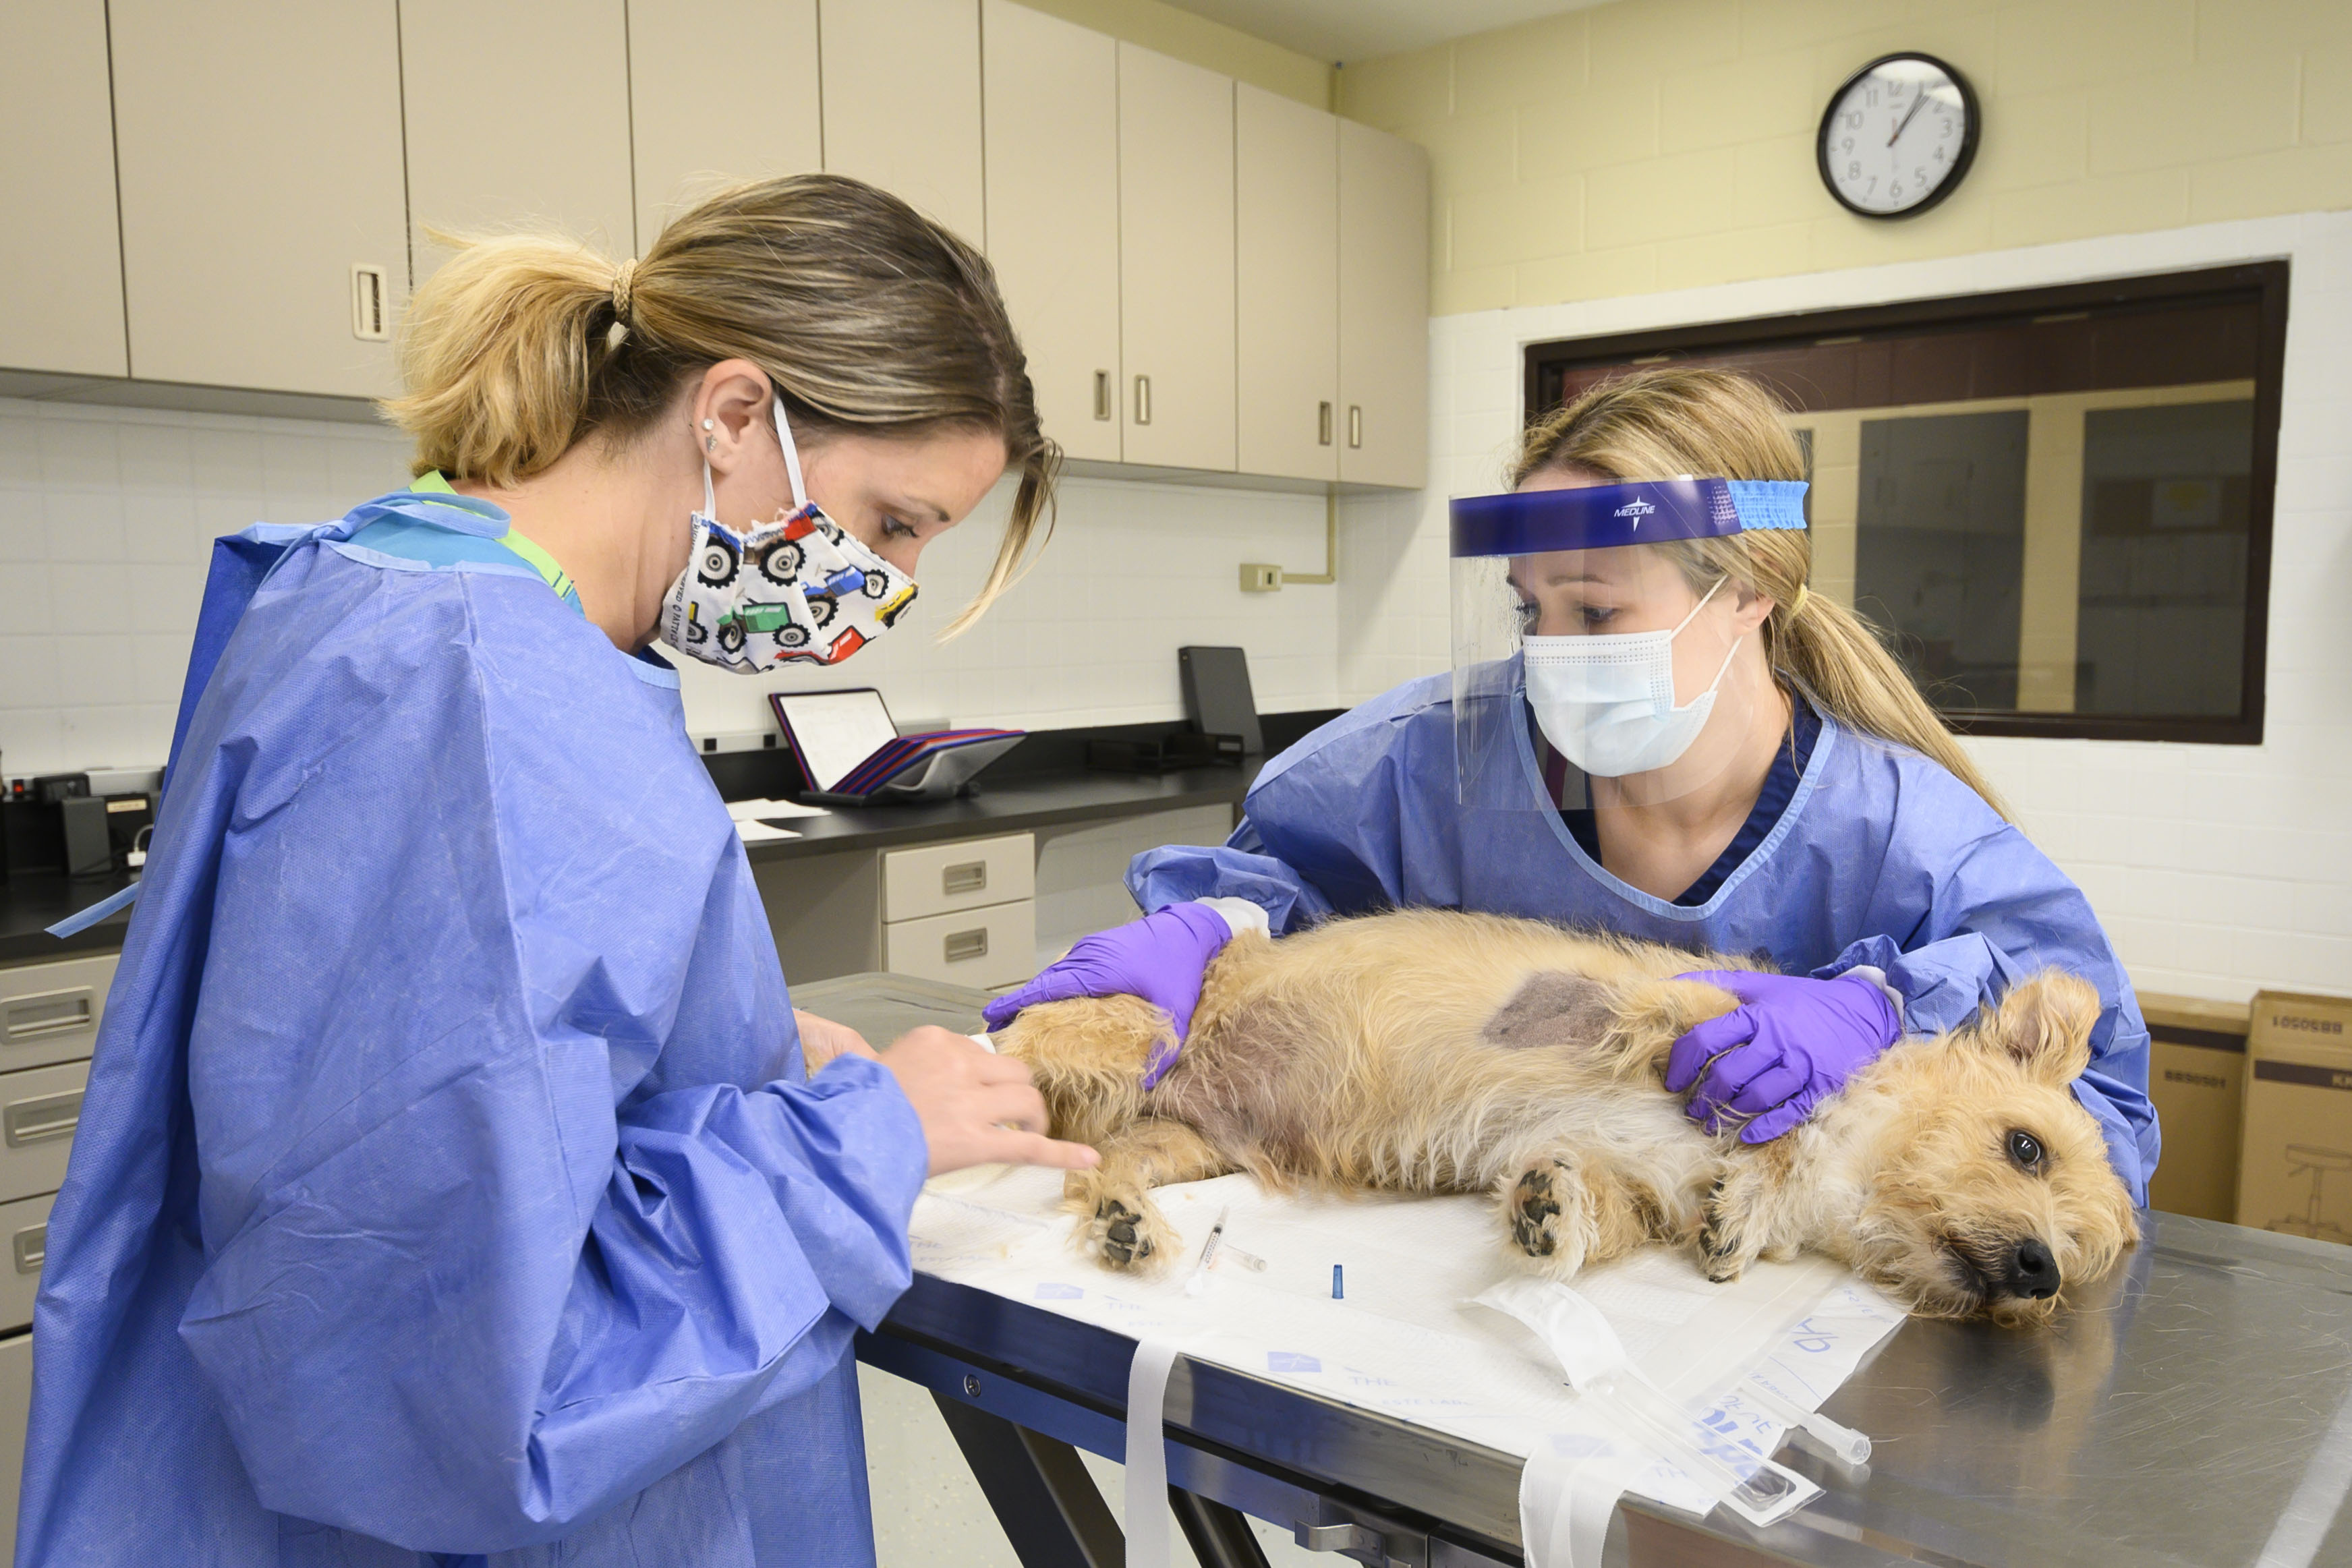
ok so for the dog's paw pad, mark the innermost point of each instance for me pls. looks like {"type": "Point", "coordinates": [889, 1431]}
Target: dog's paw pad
{"type": "Point", "coordinates": [1536, 1208]}
{"type": "Point", "coordinates": [1120, 1234]}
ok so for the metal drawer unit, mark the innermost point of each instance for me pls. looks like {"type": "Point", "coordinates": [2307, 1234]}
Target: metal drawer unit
{"type": "Point", "coordinates": [964, 912]}
{"type": "Point", "coordinates": [38, 1109]}
{"type": "Point", "coordinates": [967, 874]}
{"type": "Point", "coordinates": [51, 1012]}
{"type": "Point", "coordinates": [984, 947]}
{"type": "Point", "coordinates": [23, 1239]}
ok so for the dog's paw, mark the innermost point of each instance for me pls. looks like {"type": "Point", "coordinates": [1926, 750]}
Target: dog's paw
{"type": "Point", "coordinates": [1724, 1249]}
{"type": "Point", "coordinates": [1547, 1211]}
{"type": "Point", "coordinates": [1535, 1210]}
{"type": "Point", "coordinates": [1127, 1234]}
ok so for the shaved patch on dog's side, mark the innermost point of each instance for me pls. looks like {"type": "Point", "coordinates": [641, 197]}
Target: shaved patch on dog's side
{"type": "Point", "coordinates": [1553, 1009]}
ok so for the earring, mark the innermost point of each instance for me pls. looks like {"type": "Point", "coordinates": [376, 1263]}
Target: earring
{"type": "Point", "coordinates": [710, 444]}
{"type": "Point", "coordinates": [709, 424]}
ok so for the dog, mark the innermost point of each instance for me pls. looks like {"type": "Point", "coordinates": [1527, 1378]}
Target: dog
{"type": "Point", "coordinates": [1437, 1052]}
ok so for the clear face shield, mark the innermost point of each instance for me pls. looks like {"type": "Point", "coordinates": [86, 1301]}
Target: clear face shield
{"type": "Point", "coordinates": [1596, 656]}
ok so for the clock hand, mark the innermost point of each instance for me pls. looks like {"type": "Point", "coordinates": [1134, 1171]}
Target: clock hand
{"type": "Point", "coordinates": [1916, 105]}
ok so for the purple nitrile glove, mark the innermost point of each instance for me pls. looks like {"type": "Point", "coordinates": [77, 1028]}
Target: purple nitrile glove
{"type": "Point", "coordinates": [1159, 958]}
{"type": "Point", "coordinates": [1790, 1044]}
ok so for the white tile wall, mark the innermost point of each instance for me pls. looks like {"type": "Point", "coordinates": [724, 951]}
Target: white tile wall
{"type": "Point", "coordinates": [2218, 870]}
{"type": "Point", "coordinates": [107, 517]}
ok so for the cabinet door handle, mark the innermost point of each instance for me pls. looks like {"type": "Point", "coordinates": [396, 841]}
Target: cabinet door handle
{"type": "Point", "coordinates": [1102, 394]}
{"type": "Point", "coordinates": [32, 1244]}
{"type": "Point", "coordinates": [970, 877]}
{"type": "Point", "coordinates": [48, 1012]}
{"type": "Point", "coordinates": [960, 946]}
{"type": "Point", "coordinates": [369, 318]}
{"type": "Point", "coordinates": [1323, 424]}
{"type": "Point", "coordinates": [41, 1119]}
{"type": "Point", "coordinates": [1143, 399]}
{"type": "Point", "coordinates": [1355, 424]}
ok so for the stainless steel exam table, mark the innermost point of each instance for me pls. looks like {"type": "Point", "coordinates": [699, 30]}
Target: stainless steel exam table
{"type": "Point", "coordinates": [2196, 1410]}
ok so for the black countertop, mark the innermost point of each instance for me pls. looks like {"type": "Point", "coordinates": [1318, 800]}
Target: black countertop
{"type": "Point", "coordinates": [30, 902]}
{"type": "Point", "coordinates": [1018, 805]}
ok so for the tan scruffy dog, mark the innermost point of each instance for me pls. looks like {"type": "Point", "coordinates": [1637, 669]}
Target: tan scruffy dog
{"type": "Point", "coordinates": [1428, 1050]}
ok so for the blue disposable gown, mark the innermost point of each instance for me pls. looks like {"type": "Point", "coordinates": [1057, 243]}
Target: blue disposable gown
{"type": "Point", "coordinates": [449, 1180]}
{"type": "Point", "coordinates": [1882, 857]}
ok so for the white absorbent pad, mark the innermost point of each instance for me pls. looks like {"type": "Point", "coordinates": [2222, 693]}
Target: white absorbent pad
{"type": "Point", "coordinates": [1407, 1342]}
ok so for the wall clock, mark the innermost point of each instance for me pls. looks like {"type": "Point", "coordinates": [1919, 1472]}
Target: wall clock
{"type": "Point", "coordinates": [1898, 136]}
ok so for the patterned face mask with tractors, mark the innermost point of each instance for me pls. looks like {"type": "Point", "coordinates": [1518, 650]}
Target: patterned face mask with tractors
{"type": "Point", "coordinates": [800, 591]}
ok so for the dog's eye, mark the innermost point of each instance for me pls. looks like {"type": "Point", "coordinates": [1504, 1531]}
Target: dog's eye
{"type": "Point", "coordinates": [2026, 1150]}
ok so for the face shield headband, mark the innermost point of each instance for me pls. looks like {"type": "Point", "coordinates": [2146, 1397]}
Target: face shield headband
{"type": "Point", "coordinates": [1606, 517]}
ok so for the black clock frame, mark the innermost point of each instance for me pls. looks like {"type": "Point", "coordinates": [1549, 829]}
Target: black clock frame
{"type": "Point", "coordinates": [1952, 182]}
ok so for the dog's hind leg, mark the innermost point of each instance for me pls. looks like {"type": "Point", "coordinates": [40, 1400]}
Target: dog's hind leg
{"type": "Point", "coordinates": [1564, 1211]}
{"type": "Point", "coordinates": [1119, 1224]}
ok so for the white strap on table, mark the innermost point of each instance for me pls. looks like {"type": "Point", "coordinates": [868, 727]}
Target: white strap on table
{"type": "Point", "coordinates": [1565, 1506]}
{"type": "Point", "coordinates": [1147, 1453]}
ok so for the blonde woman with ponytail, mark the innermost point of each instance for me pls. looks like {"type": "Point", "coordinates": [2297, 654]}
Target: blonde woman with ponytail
{"type": "Point", "coordinates": [1664, 733]}
{"type": "Point", "coordinates": [451, 1180]}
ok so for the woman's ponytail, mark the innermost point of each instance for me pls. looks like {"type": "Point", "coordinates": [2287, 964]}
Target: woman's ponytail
{"type": "Point", "coordinates": [1831, 654]}
{"type": "Point", "coordinates": [498, 351]}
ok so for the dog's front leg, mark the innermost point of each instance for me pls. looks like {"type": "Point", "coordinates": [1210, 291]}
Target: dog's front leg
{"type": "Point", "coordinates": [1118, 1223]}
{"type": "Point", "coordinates": [1751, 1212]}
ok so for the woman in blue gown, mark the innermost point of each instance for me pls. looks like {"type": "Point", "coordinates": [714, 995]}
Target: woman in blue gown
{"type": "Point", "coordinates": [451, 1184]}
{"type": "Point", "coordinates": [1845, 836]}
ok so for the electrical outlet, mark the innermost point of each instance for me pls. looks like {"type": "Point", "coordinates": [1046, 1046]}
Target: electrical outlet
{"type": "Point", "coordinates": [1259, 578]}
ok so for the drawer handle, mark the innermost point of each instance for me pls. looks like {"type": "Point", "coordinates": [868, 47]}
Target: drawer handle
{"type": "Point", "coordinates": [1102, 394]}
{"type": "Point", "coordinates": [41, 1119]}
{"type": "Point", "coordinates": [32, 1246]}
{"type": "Point", "coordinates": [1143, 399]}
{"type": "Point", "coordinates": [963, 945]}
{"type": "Point", "coordinates": [51, 1012]}
{"type": "Point", "coordinates": [1355, 424]}
{"type": "Point", "coordinates": [1323, 424]}
{"type": "Point", "coordinates": [970, 877]}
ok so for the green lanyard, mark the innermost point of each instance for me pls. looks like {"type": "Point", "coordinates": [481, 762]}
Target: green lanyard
{"type": "Point", "coordinates": [515, 540]}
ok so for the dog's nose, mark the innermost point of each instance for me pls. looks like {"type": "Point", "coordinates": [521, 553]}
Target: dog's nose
{"type": "Point", "coordinates": [2031, 1271]}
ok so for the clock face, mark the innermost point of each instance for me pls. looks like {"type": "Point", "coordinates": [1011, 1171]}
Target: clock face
{"type": "Point", "coordinates": [1898, 136]}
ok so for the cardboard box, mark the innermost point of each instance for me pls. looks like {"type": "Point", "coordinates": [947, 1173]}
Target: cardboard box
{"type": "Point", "coordinates": [2295, 1172]}
{"type": "Point", "coordinates": [2196, 1076]}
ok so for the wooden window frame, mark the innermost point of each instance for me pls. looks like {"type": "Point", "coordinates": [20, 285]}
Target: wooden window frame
{"type": "Point", "coordinates": [2264, 281]}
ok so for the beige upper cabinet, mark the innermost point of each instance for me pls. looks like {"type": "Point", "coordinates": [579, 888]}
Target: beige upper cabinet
{"type": "Point", "coordinates": [1052, 213]}
{"type": "Point", "coordinates": [1384, 308]}
{"type": "Point", "coordinates": [902, 103]}
{"type": "Point", "coordinates": [703, 117]}
{"type": "Point", "coordinates": [1176, 261]}
{"type": "Point", "coordinates": [259, 146]}
{"type": "Point", "coordinates": [62, 271]}
{"type": "Point", "coordinates": [518, 114]}
{"type": "Point", "coordinates": [1287, 264]}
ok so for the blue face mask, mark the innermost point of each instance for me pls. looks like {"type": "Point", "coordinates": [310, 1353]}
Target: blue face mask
{"type": "Point", "coordinates": [798, 590]}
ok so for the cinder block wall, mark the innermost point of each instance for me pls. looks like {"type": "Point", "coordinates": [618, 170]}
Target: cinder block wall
{"type": "Point", "coordinates": [1656, 144]}
{"type": "Point", "coordinates": [1649, 163]}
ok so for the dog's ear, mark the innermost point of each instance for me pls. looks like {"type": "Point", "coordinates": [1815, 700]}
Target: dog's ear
{"type": "Point", "coordinates": [2045, 1023]}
